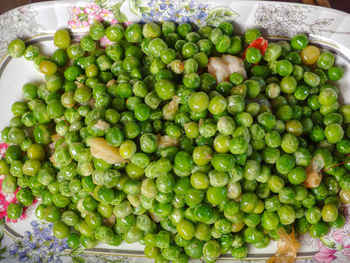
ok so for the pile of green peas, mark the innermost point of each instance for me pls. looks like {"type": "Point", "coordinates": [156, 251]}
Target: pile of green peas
{"type": "Point", "coordinates": [234, 171]}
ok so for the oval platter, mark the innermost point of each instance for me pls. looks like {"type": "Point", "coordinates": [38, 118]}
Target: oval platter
{"type": "Point", "coordinates": [30, 240]}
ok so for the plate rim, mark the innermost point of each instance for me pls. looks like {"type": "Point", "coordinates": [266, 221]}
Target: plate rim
{"type": "Point", "coordinates": [67, 3]}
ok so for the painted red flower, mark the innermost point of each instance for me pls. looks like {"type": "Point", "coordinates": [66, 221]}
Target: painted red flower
{"type": "Point", "coordinates": [6, 199]}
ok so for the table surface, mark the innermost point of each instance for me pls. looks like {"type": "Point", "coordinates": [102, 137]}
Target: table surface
{"type": "Point", "coordinates": [343, 5]}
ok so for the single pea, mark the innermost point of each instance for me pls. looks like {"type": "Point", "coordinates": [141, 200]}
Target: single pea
{"type": "Point", "coordinates": [115, 32]}
{"type": "Point", "coordinates": [223, 43]}
{"type": "Point", "coordinates": [284, 68]}
{"type": "Point", "coordinates": [251, 34]}
{"type": "Point", "coordinates": [334, 132]}
{"type": "Point", "coordinates": [310, 55]}
{"type": "Point", "coordinates": [325, 60]}
{"type": "Point", "coordinates": [335, 73]}
{"type": "Point", "coordinates": [31, 52]}
{"type": "Point", "coordinates": [299, 42]}
{"type": "Point", "coordinates": [319, 229]}
{"type": "Point", "coordinates": [14, 211]}
{"type": "Point", "coordinates": [297, 175]}
{"type": "Point", "coordinates": [311, 79]}
{"type": "Point", "coordinates": [273, 52]}
{"type": "Point", "coordinates": [253, 55]}
{"type": "Point", "coordinates": [189, 50]}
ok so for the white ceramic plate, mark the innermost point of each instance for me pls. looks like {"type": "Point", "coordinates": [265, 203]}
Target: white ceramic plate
{"type": "Point", "coordinates": [36, 23]}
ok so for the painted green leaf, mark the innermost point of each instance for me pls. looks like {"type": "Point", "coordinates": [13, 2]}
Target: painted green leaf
{"type": "Point", "coordinates": [220, 14]}
{"type": "Point", "coordinates": [103, 3]}
{"type": "Point", "coordinates": [119, 15]}
{"type": "Point", "coordinates": [327, 242]}
{"type": "Point", "coordinates": [137, 8]}
{"type": "Point", "coordinates": [111, 260]}
{"type": "Point", "coordinates": [78, 260]}
{"type": "Point", "coordinates": [77, 251]}
{"type": "Point", "coordinates": [83, 16]}
{"type": "Point", "coordinates": [3, 250]}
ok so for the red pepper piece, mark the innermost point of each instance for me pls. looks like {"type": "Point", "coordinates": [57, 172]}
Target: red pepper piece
{"type": "Point", "coordinates": [259, 43]}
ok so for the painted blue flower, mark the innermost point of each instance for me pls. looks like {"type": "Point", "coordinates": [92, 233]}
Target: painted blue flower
{"type": "Point", "coordinates": [166, 5]}
{"type": "Point", "coordinates": [34, 223]}
{"type": "Point", "coordinates": [185, 19]}
{"type": "Point", "coordinates": [192, 4]}
{"type": "Point", "coordinates": [200, 17]}
{"type": "Point", "coordinates": [13, 249]}
{"type": "Point", "coordinates": [64, 243]}
{"type": "Point", "coordinates": [49, 258]}
{"type": "Point", "coordinates": [36, 258]}
{"type": "Point", "coordinates": [152, 3]}
{"type": "Point", "coordinates": [171, 12]}
{"type": "Point", "coordinates": [22, 258]}
{"type": "Point", "coordinates": [145, 18]}
{"type": "Point", "coordinates": [27, 235]}
{"type": "Point", "coordinates": [38, 246]}
{"type": "Point", "coordinates": [43, 233]}
{"type": "Point", "coordinates": [33, 245]}
{"type": "Point", "coordinates": [165, 18]}
{"type": "Point", "coordinates": [26, 242]}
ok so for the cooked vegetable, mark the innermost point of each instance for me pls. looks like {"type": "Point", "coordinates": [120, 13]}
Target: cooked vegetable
{"type": "Point", "coordinates": [169, 138]}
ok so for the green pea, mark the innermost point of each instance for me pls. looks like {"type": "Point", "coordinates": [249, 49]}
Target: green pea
{"type": "Point", "coordinates": [251, 34]}
{"type": "Point", "coordinates": [335, 73]}
{"type": "Point", "coordinates": [299, 42]}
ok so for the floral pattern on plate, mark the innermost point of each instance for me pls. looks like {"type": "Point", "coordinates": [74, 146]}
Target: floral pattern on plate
{"type": "Point", "coordinates": [184, 11]}
{"type": "Point", "coordinates": [19, 23]}
{"type": "Point", "coordinates": [289, 20]}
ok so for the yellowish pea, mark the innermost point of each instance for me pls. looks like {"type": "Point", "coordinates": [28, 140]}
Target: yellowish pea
{"type": "Point", "coordinates": [310, 54]}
